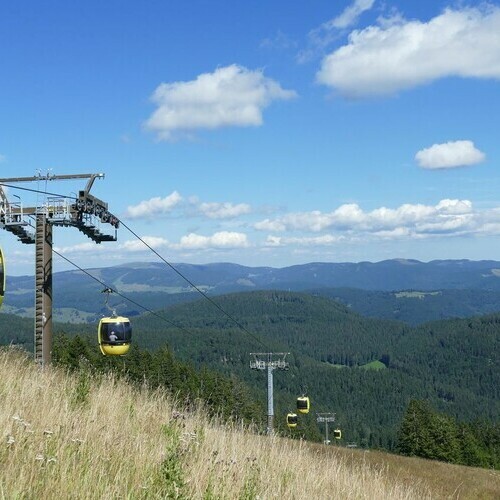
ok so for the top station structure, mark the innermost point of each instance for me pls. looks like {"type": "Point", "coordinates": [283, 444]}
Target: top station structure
{"type": "Point", "coordinates": [34, 225]}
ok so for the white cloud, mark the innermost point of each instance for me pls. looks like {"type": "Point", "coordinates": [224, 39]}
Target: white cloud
{"type": "Point", "coordinates": [270, 225]}
{"type": "Point", "coordinates": [351, 219]}
{"type": "Point", "coordinates": [230, 96]}
{"type": "Point", "coordinates": [321, 37]}
{"type": "Point", "coordinates": [393, 234]}
{"type": "Point", "coordinates": [394, 56]}
{"type": "Point", "coordinates": [222, 239]}
{"type": "Point", "coordinates": [324, 240]}
{"type": "Point", "coordinates": [154, 206]}
{"type": "Point", "coordinates": [273, 241]}
{"type": "Point", "coordinates": [138, 246]}
{"type": "Point", "coordinates": [281, 41]}
{"type": "Point", "coordinates": [351, 14]}
{"type": "Point", "coordinates": [449, 155]}
{"type": "Point", "coordinates": [80, 248]}
{"type": "Point", "coordinates": [223, 210]}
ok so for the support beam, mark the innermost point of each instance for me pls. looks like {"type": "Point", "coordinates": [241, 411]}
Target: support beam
{"type": "Point", "coordinates": [43, 291]}
{"type": "Point", "coordinates": [86, 213]}
{"type": "Point", "coordinates": [269, 361]}
{"type": "Point", "coordinates": [270, 400]}
{"type": "Point", "coordinates": [326, 418]}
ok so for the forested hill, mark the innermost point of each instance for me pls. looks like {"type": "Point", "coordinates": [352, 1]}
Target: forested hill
{"type": "Point", "coordinates": [415, 306]}
{"type": "Point", "coordinates": [406, 290]}
{"type": "Point", "coordinates": [309, 326]}
{"type": "Point", "coordinates": [365, 370]}
{"type": "Point", "coordinates": [335, 354]}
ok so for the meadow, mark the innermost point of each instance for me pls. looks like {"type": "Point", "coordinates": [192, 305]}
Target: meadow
{"type": "Point", "coordinates": [93, 436]}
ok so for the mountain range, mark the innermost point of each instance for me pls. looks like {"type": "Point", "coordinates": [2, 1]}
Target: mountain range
{"type": "Point", "coordinates": [407, 290]}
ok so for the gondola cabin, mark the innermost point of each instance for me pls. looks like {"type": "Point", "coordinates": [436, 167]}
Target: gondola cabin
{"type": "Point", "coordinates": [2, 277]}
{"type": "Point", "coordinates": [114, 335]}
{"type": "Point", "coordinates": [303, 404]}
{"type": "Point", "coordinates": [337, 434]}
{"type": "Point", "coordinates": [292, 420]}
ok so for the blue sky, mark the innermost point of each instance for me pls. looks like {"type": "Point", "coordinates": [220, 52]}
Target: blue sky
{"type": "Point", "coordinates": [261, 133]}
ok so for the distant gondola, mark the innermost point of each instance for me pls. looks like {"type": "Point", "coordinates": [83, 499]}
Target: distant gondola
{"type": "Point", "coordinates": [303, 404]}
{"type": "Point", "coordinates": [2, 277]}
{"type": "Point", "coordinates": [292, 420]}
{"type": "Point", "coordinates": [337, 434]}
{"type": "Point", "coordinates": [114, 335]}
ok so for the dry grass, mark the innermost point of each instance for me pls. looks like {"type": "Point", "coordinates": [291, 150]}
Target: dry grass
{"type": "Point", "coordinates": [87, 437]}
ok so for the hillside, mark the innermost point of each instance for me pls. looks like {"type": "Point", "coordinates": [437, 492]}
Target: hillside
{"type": "Point", "coordinates": [60, 440]}
{"type": "Point", "coordinates": [451, 363]}
{"type": "Point", "coordinates": [405, 290]}
{"type": "Point", "coordinates": [413, 306]}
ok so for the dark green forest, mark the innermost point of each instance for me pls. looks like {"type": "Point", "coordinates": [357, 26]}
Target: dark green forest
{"type": "Point", "coordinates": [415, 307]}
{"type": "Point", "coordinates": [452, 364]}
{"type": "Point", "coordinates": [429, 434]}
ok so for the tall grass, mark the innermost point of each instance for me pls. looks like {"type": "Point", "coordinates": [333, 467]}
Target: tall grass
{"type": "Point", "coordinates": [86, 436]}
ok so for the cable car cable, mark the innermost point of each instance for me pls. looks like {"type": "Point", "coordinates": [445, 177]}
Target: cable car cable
{"type": "Point", "coordinates": [37, 191]}
{"type": "Point", "coordinates": [193, 285]}
{"type": "Point", "coordinates": [122, 295]}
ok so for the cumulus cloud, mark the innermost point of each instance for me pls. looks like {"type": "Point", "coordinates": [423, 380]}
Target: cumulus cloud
{"type": "Point", "coordinates": [223, 210]}
{"type": "Point", "coordinates": [155, 242]}
{"type": "Point", "coordinates": [80, 248]}
{"type": "Point", "coordinates": [449, 155]}
{"type": "Point", "coordinates": [154, 206]}
{"type": "Point", "coordinates": [270, 225]}
{"type": "Point", "coordinates": [222, 239]}
{"type": "Point", "coordinates": [321, 37]}
{"type": "Point", "coordinates": [401, 54]}
{"type": "Point", "coordinates": [350, 14]}
{"type": "Point", "coordinates": [324, 240]}
{"type": "Point", "coordinates": [448, 215]}
{"type": "Point", "coordinates": [230, 96]}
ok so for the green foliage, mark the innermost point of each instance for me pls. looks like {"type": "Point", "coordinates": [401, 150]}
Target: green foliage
{"type": "Point", "coordinates": [171, 474]}
{"type": "Point", "coordinates": [225, 397]}
{"type": "Point", "coordinates": [415, 307]}
{"type": "Point", "coordinates": [250, 487]}
{"type": "Point", "coordinates": [81, 393]}
{"type": "Point", "coordinates": [428, 434]}
{"type": "Point", "coordinates": [374, 365]}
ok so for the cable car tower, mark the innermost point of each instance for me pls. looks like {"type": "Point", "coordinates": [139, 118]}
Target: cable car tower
{"type": "Point", "coordinates": [326, 418]}
{"type": "Point", "coordinates": [269, 361]}
{"type": "Point", "coordinates": [33, 225]}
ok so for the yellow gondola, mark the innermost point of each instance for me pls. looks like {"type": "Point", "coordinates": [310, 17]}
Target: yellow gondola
{"type": "Point", "coordinates": [114, 335]}
{"type": "Point", "coordinates": [292, 420]}
{"type": "Point", "coordinates": [337, 434]}
{"type": "Point", "coordinates": [2, 277]}
{"type": "Point", "coordinates": [303, 404]}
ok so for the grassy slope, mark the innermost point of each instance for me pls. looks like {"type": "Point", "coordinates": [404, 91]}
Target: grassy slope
{"type": "Point", "coordinates": [97, 438]}
{"type": "Point", "coordinates": [454, 353]}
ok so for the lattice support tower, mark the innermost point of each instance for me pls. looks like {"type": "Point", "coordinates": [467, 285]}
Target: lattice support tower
{"type": "Point", "coordinates": [269, 361]}
{"type": "Point", "coordinates": [86, 213]}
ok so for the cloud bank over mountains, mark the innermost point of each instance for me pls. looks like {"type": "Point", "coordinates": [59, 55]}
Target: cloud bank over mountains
{"type": "Point", "coordinates": [346, 223]}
